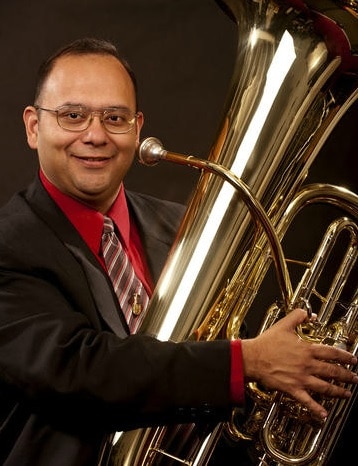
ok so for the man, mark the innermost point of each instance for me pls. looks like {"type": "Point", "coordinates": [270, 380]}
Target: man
{"type": "Point", "coordinates": [69, 371]}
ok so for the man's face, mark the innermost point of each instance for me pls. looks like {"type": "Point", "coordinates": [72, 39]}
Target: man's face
{"type": "Point", "coordinates": [88, 165]}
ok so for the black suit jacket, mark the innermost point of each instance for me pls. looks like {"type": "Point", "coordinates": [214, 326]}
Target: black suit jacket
{"type": "Point", "coordinates": [69, 372]}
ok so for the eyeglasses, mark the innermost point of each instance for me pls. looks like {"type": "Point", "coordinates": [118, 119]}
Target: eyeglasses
{"type": "Point", "coordinates": [79, 118]}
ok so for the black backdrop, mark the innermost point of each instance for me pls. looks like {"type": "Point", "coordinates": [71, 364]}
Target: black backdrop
{"type": "Point", "coordinates": [182, 52]}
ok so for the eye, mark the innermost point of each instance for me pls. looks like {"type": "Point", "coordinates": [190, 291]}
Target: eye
{"type": "Point", "coordinates": [116, 118]}
{"type": "Point", "coordinates": [73, 115]}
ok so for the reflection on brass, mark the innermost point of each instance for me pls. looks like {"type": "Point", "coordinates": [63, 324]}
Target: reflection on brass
{"type": "Point", "coordinates": [288, 93]}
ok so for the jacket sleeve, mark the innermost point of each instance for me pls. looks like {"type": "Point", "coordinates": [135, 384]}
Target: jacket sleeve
{"type": "Point", "coordinates": [62, 361]}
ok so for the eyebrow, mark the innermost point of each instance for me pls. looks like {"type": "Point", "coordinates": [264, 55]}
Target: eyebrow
{"type": "Point", "coordinates": [109, 107]}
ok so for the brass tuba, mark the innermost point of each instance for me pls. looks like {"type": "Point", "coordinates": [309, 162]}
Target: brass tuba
{"type": "Point", "coordinates": [295, 78]}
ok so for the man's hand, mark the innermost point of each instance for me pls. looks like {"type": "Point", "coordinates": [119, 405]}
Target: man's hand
{"type": "Point", "coordinates": [280, 360]}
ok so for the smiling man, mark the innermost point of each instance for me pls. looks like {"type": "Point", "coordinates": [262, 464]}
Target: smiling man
{"type": "Point", "coordinates": [88, 160]}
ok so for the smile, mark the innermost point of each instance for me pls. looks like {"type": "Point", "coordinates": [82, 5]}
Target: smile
{"type": "Point", "coordinates": [95, 159]}
{"type": "Point", "coordinates": [92, 159]}
{"type": "Point", "coordinates": [92, 162]}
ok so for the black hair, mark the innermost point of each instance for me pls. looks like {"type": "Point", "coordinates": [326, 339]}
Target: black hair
{"type": "Point", "coordinates": [84, 46]}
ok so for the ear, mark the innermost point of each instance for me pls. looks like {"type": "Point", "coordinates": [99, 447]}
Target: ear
{"type": "Point", "coordinates": [31, 121]}
{"type": "Point", "coordinates": [139, 124]}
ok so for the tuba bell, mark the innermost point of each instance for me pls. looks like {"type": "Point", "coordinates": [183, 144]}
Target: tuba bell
{"type": "Point", "coordinates": [295, 78]}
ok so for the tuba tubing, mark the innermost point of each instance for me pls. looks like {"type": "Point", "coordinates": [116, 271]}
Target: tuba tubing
{"type": "Point", "coordinates": [292, 84]}
{"type": "Point", "coordinates": [151, 151]}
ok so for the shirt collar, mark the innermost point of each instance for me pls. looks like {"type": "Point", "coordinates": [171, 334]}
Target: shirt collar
{"type": "Point", "coordinates": [88, 221]}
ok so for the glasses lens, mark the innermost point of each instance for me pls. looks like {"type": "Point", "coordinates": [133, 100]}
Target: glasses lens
{"type": "Point", "coordinates": [118, 120]}
{"type": "Point", "coordinates": [76, 118]}
{"type": "Point", "coordinates": [73, 118]}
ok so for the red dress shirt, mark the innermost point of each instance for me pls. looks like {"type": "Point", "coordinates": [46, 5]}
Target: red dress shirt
{"type": "Point", "coordinates": [81, 216]}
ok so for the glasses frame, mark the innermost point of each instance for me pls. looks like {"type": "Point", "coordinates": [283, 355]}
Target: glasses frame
{"type": "Point", "coordinates": [92, 113]}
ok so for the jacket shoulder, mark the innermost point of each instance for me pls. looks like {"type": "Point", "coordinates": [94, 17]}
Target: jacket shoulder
{"type": "Point", "coordinates": [155, 211]}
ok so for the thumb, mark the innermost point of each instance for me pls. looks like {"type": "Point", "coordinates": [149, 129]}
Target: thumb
{"type": "Point", "coordinates": [294, 318]}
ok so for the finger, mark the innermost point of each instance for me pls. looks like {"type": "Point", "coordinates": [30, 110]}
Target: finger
{"type": "Point", "coordinates": [296, 317]}
{"type": "Point", "coordinates": [317, 411]}
{"type": "Point", "coordinates": [327, 389]}
{"type": "Point", "coordinates": [334, 354]}
{"type": "Point", "coordinates": [333, 372]}
{"type": "Point", "coordinates": [324, 388]}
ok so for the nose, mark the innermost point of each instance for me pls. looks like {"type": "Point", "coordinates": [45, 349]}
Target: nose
{"type": "Point", "coordinates": [96, 115]}
{"type": "Point", "coordinates": [96, 132]}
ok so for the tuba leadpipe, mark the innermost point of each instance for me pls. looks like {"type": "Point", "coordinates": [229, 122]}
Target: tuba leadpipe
{"type": "Point", "coordinates": [151, 151]}
{"type": "Point", "coordinates": [289, 90]}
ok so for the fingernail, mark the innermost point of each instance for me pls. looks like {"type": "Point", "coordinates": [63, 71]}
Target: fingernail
{"type": "Point", "coordinates": [323, 415]}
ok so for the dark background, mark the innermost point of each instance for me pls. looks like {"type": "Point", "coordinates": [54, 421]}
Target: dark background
{"type": "Point", "coordinates": [182, 52]}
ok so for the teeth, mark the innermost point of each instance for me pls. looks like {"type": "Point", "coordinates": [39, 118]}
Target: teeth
{"type": "Point", "coordinates": [94, 159]}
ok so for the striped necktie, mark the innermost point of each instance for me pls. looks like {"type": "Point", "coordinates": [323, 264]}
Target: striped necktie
{"type": "Point", "coordinates": [130, 291]}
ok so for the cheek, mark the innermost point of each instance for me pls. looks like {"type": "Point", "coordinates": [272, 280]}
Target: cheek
{"type": "Point", "coordinates": [54, 141]}
{"type": "Point", "coordinates": [51, 149]}
{"type": "Point", "coordinates": [124, 163]}
{"type": "Point", "coordinates": [126, 148]}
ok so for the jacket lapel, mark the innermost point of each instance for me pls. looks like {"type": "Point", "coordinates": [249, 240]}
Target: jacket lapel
{"type": "Point", "coordinates": [157, 233]}
{"type": "Point", "coordinates": [98, 283]}
{"type": "Point", "coordinates": [101, 292]}
{"type": "Point", "coordinates": [158, 222]}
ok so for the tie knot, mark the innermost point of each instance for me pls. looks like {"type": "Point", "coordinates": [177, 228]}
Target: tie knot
{"type": "Point", "coordinates": [108, 225]}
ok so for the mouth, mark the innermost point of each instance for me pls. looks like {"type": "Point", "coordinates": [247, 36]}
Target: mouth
{"type": "Point", "coordinates": [93, 161]}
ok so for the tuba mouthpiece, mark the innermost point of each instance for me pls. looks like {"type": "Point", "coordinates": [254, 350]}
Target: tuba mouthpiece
{"type": "Point", "coordinates": [150, 151]}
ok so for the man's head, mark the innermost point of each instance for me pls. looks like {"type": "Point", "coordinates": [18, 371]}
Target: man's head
{"type": "Point", "coordinates": [86, 160]}
{"type": "Point", "coordinates": [79, 47]}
